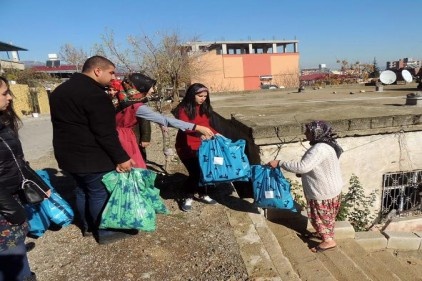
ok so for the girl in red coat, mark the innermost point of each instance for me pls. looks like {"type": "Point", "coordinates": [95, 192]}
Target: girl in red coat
{"type": "Point", "coordinates": [195, 108]}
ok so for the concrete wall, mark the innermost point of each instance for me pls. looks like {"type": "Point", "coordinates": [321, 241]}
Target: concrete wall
{"type": "Point", "coordinates": [22, 101]}
{"type": "Point", "coordinates": [368, 157]}
{"type": "Point", "coordinates": [11, 64]}
{"type": "Point", "coordinates": [284, 70]}
{"type": "Point", "coordinates": [373, 146]}
{"type": "Point", "coordinates": [242, 72]}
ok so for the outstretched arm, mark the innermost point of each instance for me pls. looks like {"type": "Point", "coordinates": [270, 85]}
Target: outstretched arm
{"type": "Point", "coordinates": [148, 114]}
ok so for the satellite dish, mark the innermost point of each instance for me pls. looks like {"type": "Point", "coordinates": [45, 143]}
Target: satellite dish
{"type": "Point", "coordinates": [388, 77]}
{"type": "Point", "coordinates": [407, 76]}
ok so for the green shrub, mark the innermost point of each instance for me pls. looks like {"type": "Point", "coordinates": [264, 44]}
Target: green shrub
{"type": "Point", "coordinates": [355, 206]}
{"type": "Point", "coordinates": [297, 191]}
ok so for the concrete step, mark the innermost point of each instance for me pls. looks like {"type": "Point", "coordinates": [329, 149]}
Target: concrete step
{"type": "Point", "coordinates": [275, 246]}
{"type": "Point", "coordinates": [363, 260]}
{"type": "Point", "coordinates": [341, 266]}
{"type": "Point", "coordinates": [349, 261]}
{"type": "Point", "coordinates": [402, 240]}
{"type": "Point", "coordinates": [303, 261]}
{"type": "Point", "coordinates": [405, 269]}
{"type": "Point", "coordinates": [262, 255]}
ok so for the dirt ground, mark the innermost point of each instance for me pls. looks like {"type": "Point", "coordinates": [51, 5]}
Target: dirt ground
{"type": "Point", "coordinates": [199, 245]}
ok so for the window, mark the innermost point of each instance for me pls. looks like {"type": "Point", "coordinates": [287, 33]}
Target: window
{"type": "Point", "coordinates": [402, 191]}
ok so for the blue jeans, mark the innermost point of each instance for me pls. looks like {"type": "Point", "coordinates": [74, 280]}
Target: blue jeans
{"type": "Point", "coordinates": [91, 198]}
{"type": "Point", "coordinates": [14, 263]}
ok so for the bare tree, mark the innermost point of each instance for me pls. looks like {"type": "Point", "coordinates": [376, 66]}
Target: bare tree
{"type": "Point", "coordinates": [344, 65]}
{"type": "Point", "coordinates": [168, 59]}
{"type": "Point", "coordinates": [72, 55]}
{"type": "Point", "coordinates": [163, 56]}
{"type": "Point", "coordinates": [99, 50]}
{"type": "Point", "coordinates": [122, 57]}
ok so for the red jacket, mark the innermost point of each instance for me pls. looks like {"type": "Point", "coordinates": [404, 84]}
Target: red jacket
{"type": "Point", "coordinates": [125, 121]}
{"type": "Point", "coordinates": [188, 142]}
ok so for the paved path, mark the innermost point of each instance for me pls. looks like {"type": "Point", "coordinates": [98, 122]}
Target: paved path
{"type": "Point", "coordinates": [36, 136]}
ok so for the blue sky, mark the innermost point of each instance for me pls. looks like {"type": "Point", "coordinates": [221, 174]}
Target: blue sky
{"type": "Point", "coordinates": [356, 30]}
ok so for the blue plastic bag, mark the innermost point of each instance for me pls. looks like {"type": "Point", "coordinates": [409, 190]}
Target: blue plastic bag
{"type": "Point", "coordinates": [271, 189]}
{"type": "Point", "coordinates": [37, 220]}
{"type": "Point", "coordinates": [55, 207]}
{"type": "Point", "coordinates": [222, 160]}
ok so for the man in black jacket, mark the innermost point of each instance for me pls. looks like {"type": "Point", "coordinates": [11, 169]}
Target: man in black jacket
{"type": "Point", "coordinates": [85, 140]}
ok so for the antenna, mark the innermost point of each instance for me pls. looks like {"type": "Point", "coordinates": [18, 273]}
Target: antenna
{"type": "Point", "coordinates": [388, 77]}
{"type": "Point", "coordinates": [407, 76]}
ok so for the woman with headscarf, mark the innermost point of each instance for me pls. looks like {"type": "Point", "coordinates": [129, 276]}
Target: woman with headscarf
{"type": "Point", "coordinates": [320, 171]}
{"type": "Point", "coordinates": [130, 108]}
{"type": "Point", "coordinates": [126, 121]}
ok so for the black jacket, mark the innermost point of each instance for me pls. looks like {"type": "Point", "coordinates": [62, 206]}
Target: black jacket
{"type": "Point", "coordinates": [85, 138]}
{"type": "Point", "coordinates": [10, 178]}
{"type": "Point", "coordinates": [9, 173]}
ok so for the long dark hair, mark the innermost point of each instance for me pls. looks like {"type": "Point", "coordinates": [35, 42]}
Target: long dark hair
{"type": "Point", "coordinates": [9, 117]}
{"type": "Point", "coordinates": [189, 105]}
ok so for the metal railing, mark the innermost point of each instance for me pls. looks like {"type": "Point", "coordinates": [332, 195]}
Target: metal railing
{"type": "Point", "coordinates": [402, 192]}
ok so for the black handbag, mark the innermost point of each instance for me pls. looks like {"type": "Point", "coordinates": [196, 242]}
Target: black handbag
{"type": "Point", "coordinates": [33, 188]}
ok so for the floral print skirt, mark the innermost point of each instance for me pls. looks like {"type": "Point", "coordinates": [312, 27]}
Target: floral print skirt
{"type": "Point", "coordinates": [322, 214]}
{"type": "Point", "coordinates": [11, 235]}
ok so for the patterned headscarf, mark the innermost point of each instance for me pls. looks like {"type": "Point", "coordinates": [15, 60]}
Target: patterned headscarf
{"type": "Point", "coordinates": [116, 84]}
{"type": "Point", "coordinates": [323, 132]}
{"type": "Point", "coordinates": [130, 92]}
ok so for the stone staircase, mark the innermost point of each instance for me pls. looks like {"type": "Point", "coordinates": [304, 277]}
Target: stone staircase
{"type": "Point", "coordinates": [274, 247]}
{"type": "Point", "coordinates": [349, 261]}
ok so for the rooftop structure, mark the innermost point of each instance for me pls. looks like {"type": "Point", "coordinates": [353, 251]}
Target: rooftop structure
{"type": "Point", "coordinates": [12, 59]}
{"type": "Point", "coordinates": [404, 63]}
{"type": "Point", "coordinates": [247, 47]}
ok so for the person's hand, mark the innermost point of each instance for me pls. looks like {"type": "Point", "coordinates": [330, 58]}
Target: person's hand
{"type": "Point", "coordinates": [144, 143]}
{"type": "Point", "coordinates": [125, 167]}
{"type": "Point", "coordinates": [203, 137]}
{"type": "Point", "coordinates": [47, 194]}
{"type": "Point", "coordinates": [274, 163]}
{"type": "Point", "coordinates": [205, 131]}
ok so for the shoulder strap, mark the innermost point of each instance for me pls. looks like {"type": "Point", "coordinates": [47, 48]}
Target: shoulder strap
{"type": "Point", "coordinates": [14, 157]}
{"type": "Point", "coordinates": [24, 180]}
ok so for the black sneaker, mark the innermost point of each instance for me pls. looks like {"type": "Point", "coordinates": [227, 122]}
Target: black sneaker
{"type": "Point", "coordinates": [207, 200]}
{"type": "Point", "coordinates": [32, 277]}
{"type": "Point", "coordinates": [29, 246]}
{"type": "Point", "coordinates": [87, 233]}
{"type": "Point", "coordinates": [187, 205]}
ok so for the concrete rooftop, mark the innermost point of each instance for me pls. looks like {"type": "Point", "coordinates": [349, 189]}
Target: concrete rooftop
{"type": "Point", "coordinates": [350, 108]}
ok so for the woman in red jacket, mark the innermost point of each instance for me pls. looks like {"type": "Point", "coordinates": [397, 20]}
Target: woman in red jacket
{"type": "Point", "coordinates": [195, 108]}
{"type": "Point", "coordinates": [126, 120]}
